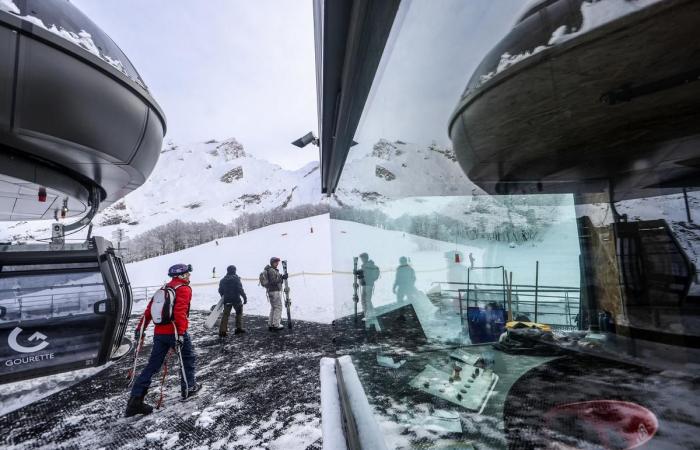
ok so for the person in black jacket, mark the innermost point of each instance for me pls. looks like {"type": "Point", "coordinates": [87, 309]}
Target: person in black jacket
{"type": "Point", "coordinates": [231, 289]}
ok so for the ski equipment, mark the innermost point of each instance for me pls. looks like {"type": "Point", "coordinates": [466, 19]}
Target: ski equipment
{"type": "Point", "coordinates": [140, 337]}
{"type": "Point", "coordinates": [162, 380]}
{"type": "Point", "coordinates": [287, 300]}
{"type": "Point", "coordinates": [163, 304]}
{"type": "Point", "coordinates": [178, 352]}
{"type": "Point", "coordinates": [214, 314]}
{"type": "Point", "coordinates": [355, 285]}
{"type": "Point", "coordinates": [179, 269]}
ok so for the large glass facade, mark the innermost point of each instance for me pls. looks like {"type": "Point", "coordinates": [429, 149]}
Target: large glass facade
{"type": "Point", "coordinates": [555, 319]}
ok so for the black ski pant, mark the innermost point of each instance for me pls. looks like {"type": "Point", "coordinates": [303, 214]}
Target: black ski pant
{"type": "Point", "coordinates": [238, 308]}
{"type": "Point", "coordinates": [162, 343]}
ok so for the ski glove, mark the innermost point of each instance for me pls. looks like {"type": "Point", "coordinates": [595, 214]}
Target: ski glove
{"type": "Point", "coordinates": [285, 276]}
{"type": "Point", "coordinates": [245, 301]}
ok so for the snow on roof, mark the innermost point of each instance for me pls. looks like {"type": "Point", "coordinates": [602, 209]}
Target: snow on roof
{"type": "Point", "coordinates": [595, 14]}
{"type": "Point", "coordinates": [82, 38]}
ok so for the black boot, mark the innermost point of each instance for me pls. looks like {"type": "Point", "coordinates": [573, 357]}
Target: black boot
{"type": "Point", "coordinates": [193, 390]}
{"type": "Point", "coordinates": [137, 406]}
{"type": "Point", "coordinates": [239, 331]}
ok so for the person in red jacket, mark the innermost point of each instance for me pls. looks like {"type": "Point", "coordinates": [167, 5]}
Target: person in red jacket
{"type": "Point", "coordinates": [166, 337]}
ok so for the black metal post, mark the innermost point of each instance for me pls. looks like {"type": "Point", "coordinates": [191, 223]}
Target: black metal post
{"type": "Point", "coordinates": [537, 279]}
{"type": "Point", "coordinates": [687, 207]}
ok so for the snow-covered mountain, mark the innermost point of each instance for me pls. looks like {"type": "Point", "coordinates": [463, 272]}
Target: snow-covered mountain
{"type": "Point", "coordinates": [211, 180]}
{"type": "Point", "coordinates": [221, 180]}
{"type": "Point", "coordinates": [395, 170]}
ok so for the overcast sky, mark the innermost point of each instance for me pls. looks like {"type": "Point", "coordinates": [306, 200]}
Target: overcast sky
{"type": "Point", "coordinates": [246, 69]}
{"type": "Point", "coordinates": [223, 68]}
{"type": "Point", "coordinates": [433, 53]}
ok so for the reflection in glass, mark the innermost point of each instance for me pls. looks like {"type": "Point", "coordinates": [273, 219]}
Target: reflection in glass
{"type": "Point", "coordinates": [493, 318]}
{"type": "Point", "coordinates": [47, 296]}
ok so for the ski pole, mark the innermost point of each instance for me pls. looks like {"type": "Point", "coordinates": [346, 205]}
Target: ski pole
{"type": "Point", "coordinates": [182, 364]}
{"type": "Point", "coordinates": [355, 286]}
{"type": "Point", "coordinates": [139, 343]}
{"type": "Point", "coordinates": [288, 301]}
{"type": "Point", "coordinates": [162, 380]}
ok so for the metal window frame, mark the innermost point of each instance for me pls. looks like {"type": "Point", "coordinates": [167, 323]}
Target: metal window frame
{"type": "Point", "coordinates": [350, 39]}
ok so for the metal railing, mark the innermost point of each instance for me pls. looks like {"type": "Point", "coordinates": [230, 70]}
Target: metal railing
{"type": "Point", "coordinates": [144, 293]}
{"type": "Point", "coordinates": [554, 305]}
{"type": "Point", "coordinates": [59, 302]}
{"type": "Point", "coordinates": [62, 301]}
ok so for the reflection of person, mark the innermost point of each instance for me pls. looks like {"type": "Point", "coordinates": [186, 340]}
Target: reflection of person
{"type": "Point", "coordinates": [471, 260]}
{"type": "Point", "coordinates": [405, 282]}
{"type": "Point", "coordinates": [231, 289]}
{"type": "Point", "coordinates": [368, 275]}
{"type": "Point", "coordinates": [487, 324]}
{"type": "Point", "coordinates": [164, 339]}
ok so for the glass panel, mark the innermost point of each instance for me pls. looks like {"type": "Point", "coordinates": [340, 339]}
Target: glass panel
{"type": "Point", "coordinates": [48, 320]}
{"type": "Point", "coordinates": [50, 295]}
{"type": "Point", "coordinates": [469, 316]}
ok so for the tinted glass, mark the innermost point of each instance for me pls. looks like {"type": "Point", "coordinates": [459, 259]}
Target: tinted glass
{"type": "Point", "coordinates": [50, 295]}
{"type": "Point", "coordinates": [476, 320]}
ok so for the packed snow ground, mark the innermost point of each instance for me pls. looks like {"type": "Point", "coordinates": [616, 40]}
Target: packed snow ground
{"type": "Point", "coordinates": [320, 263]}
{"type": "Point", "coordinates": [307, 253]}
{"type": "Point", "coordinates": [21, 393]}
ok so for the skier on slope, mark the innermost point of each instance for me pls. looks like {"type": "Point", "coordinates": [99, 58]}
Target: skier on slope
{"type": "Point", "coordinates": [231, 289]}
{"type": "Point", "coordinates": [164, 339]}
{"type": "Point", "coordinates": [272, 280]}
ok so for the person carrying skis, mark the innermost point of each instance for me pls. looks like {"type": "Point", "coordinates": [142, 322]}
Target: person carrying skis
{"type": "Point", "coordinates": [231, 289]}
{"type": "Point", "coordinates": [368, 275]}
{"type": "Point", "coordinates": [164, 339]}
{"type": "Point", "coordinates": [271, 279]}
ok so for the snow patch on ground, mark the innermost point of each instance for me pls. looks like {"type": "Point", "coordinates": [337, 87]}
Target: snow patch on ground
{"type": "Point", "coordinates": [167, 439]}
{"type": "Point", "coordinates": [21, 393]}
{"type": "Point", "coordinates": [209, 415]}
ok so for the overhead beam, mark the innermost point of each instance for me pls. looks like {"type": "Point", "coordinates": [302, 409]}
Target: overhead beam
{"type": "Point", "coordinates": [350, 39]}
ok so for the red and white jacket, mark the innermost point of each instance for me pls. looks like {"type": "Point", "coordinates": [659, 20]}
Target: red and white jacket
{"type": "Point", "coordinates": [181, 311]}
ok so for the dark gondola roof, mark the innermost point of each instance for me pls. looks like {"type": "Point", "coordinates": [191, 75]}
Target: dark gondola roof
{"type": "Point", "coordinates": [558, 107]}
{"type": "Point", "coordinates": [75, 113]}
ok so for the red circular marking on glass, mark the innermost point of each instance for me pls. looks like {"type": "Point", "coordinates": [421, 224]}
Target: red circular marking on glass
{"type": "Point", "coordinates": [617, 424]}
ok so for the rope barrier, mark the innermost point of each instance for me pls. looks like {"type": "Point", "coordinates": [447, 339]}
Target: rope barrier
{"type": "Point", "coordinates": [304, 274]}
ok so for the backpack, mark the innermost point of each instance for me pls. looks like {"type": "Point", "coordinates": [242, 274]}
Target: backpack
{"type": "Point", "coordinates": [163, 305]}
{"type": "Point", "coordinates": [371, 273]}
{"type": "Point", "coordinates": [264, 280]}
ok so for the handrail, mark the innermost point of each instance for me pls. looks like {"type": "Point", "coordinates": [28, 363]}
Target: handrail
{"type": "Point", "coordinates": [526, 299]}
